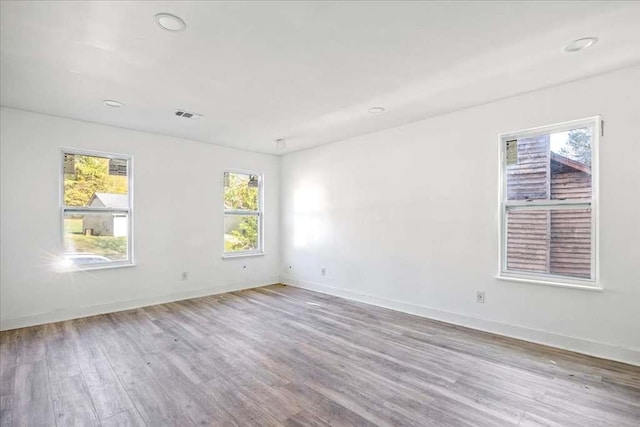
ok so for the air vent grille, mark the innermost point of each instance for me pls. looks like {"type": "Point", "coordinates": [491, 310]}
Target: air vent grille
{"type": "Point", "coordinates": [188, 115]}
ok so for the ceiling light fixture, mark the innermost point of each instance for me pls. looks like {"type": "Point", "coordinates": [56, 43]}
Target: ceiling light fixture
{"type": "Point", "coordinates": [113, 104]}
{"type": "Point", "coordinates": [377, 110]}
{"type": "Point", "coordinates": [281, 144]}
{"type": "Point", "coordinates": [580, 44]}
{"type": "Point", "coordinates": [170, 22]}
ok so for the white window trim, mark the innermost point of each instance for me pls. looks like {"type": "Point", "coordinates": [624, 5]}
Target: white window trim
{"type": "Point", "coordinates": [591, 284]}
{"type": "Point", "coordinates": [129, 211]}
{"type": "Point", "coordinates": [259, 213]}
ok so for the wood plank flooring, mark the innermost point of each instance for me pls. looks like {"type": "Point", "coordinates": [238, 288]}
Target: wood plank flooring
{"type": "Point", "coordinates": [285, 356]}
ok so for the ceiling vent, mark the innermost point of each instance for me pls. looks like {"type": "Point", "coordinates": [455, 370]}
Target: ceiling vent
{"type": "Point", "coordinates": [188, 115]}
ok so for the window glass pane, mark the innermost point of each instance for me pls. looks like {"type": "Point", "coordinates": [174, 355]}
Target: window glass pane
{"type": "Point", "coordinates": [550, 166]}
{"type": "Point", "coordinates": [553, 241]}
{"type": "Point", "coordinates": [240, 233]}
{"type": "Point", "coordinates": [574, 145]}
{"type": "Point", "coordinates": [527, 178]}
{"type": "Point", "coordinates": [94, 238]}
{"type": "Point", "coordinates": [95, 181]}
{"type": "Point", "coordinates": [241, 191]}
{"type": "Point", "coordinates": [527, 240]}
{"type": "Point", "coordinates": [570, 250]}
{"type": "Point", "coordinates": [571, 164]}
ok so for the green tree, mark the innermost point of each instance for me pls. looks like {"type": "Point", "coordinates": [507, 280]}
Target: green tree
{"type": "Point", "coordinates": [245, 236]}
{"type": "Point", "coordinates": [240, 193]}
{"type": "Point", "coordinates": [578, 146]}
{"type": "Point", "coordinates": [91, 176]}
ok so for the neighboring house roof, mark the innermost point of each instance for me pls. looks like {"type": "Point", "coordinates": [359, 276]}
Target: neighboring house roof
{"type": "Point", "coordinates": [109, 200]}
{"type": "Point", "coordinates": [573, 164]}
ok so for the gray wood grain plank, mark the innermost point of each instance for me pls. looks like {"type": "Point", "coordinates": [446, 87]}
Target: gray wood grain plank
{"type": "Point", "coordinates": [30, 345]}
{"type": "Point", "coordinates": [108, 395]}
{"type": "Point", "coordinates": [61, 358]}
{"type": "Point", "coordinates": [8, 358]}
{"type": "Point", "coordinates": [6, 410]}
{"type": "Point", "coordinates": [129, 418]}
{"type": "Point", "coordinates": [32, 402]}
{"type": "Point", "coordinates": [72, 403]}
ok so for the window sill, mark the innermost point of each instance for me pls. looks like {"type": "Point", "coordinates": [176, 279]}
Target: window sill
{"type": "Point", "coordinates": [592, 288]}
{"type": "Point", "coordinates": [243, 255]}
{"type": "Point", "coordinates": [100, 267]}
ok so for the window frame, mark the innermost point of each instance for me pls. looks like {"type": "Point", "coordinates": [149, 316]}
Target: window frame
{"type": "Point", "coordinates": [259, 251]}
{"type": "Point", "coordinates": [130, 261]}
{"type": "Point", "coordinates": [591, 283]}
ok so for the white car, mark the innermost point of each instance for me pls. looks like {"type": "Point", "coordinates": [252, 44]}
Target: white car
{"type": "Point", "coordinates": [84, 259]}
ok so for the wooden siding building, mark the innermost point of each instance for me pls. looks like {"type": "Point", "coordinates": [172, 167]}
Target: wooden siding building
{"type": "Point", "coordinates": [548, 241]}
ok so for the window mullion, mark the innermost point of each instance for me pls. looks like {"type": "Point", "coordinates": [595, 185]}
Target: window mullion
{"type": "Point", "coordinates": [548, 207]}
{"type": "Point", "coordinates": [543, 203]}
{"type": "Point", "coordinates": [90, 209]}
{"type": "Point", "coordinates": [241, 212]}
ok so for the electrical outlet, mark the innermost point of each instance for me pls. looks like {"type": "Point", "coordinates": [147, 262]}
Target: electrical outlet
{"type": "Point", "coordinates": [185, 275]}
{"type": "Point", "coordinates": [480, 297]}
{"type": "Point", "coordinates": [323, 271]}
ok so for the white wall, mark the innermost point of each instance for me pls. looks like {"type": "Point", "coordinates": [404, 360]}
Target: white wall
{"type": "Point", "coordinates": [408, 218]}
{"type": "Point", "coordinates": [178, 221]}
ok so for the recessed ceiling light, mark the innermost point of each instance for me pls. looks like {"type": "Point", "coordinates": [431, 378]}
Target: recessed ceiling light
{"type": "Point", "coordinates": [376, 110]}
{"type": "Point", "coordinates": [281, 144]}
{"type": "Point", "coordinates": [170, 22]}
{"type": "Point", "coordinates": [580, 44]}
{"type": "Point", "coordinates": [112, 103]}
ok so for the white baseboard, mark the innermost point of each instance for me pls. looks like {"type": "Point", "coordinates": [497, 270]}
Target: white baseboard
{"type": "Point", "coordinates": [578, 345]}
{"type": "Point", "coordinates": [75, 313]}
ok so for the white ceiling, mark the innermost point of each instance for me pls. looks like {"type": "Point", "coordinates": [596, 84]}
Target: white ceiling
{"type": "Point", "coordinates": [304, 71]}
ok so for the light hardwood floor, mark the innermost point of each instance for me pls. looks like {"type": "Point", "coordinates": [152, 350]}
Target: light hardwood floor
{"type": "Point", "coordinates": [284, 356]}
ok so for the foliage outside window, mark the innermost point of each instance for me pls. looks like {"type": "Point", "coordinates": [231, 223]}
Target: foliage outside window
{"type": "Point", "coordinates": [242, 213]}
{"type": "Point", "coordinates": [96, 209]}
{"type": "Point", "coordinates": [548, 206]}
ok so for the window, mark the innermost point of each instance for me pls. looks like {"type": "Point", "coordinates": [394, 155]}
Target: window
{"type": "Point", "coordinates": [96, 209]}
{"type": "Point", "coordinates": [548, 198]}
{"type": "Point", "coordinates": [242, 213]}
